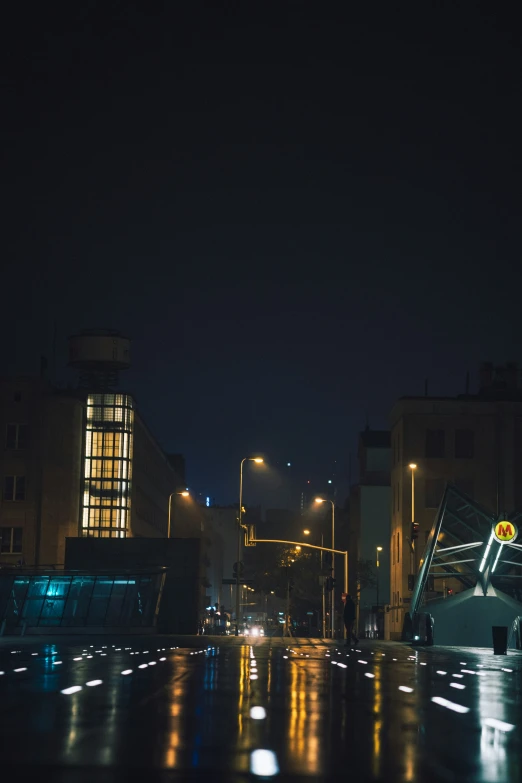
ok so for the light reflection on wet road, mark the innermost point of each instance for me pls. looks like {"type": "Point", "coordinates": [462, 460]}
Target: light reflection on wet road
{"type": "Point", "coordinates": [193, 707]}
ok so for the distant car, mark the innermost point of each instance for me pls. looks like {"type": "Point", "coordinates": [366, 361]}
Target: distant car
{"type": "Point", "coordinates": [254, 630]}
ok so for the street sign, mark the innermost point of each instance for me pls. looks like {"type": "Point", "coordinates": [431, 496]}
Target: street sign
{"type": "Point", "coordinates": [505, 532]}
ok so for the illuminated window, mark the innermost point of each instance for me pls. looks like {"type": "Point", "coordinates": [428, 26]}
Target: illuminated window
{"type": "Point", "coordinates": [107, 465]}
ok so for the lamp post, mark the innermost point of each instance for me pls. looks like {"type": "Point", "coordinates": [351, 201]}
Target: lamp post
{"type": "Point", "coordinates": [332, 597]}
{"type": "Point", "coordinates": [184, 494]}
{"type": "Point", "coordinates": [413, 467]}
{"type": "Point", "coordinates": [379, 549]}
{"type": "Point", "coordinates": [258, 460]}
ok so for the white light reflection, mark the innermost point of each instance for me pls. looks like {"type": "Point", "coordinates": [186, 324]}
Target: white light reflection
{"type": "Point", "coordinates": [257, 713]}
{"type": "Point", "coordinates": [127, 671]}
{"type": "Point", "coordinates": [263, 763]}
{"type": "Point", "coordinates": [72, 689]}
{"type": "Point", "coordinates": [405, 689]}
{"type": "Point", "coordinates": [457, 685]}
{"type": "Point", "coordinates": [499, 724]}
{"type": "Point", "coordinates": [450, 705]}
{"type": "Point", "coordinates": [93, 683]}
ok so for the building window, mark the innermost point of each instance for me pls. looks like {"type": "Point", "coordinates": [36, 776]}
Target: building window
{"type": "Point", "coordinates": [464, 444]}
{"type": "Point", "coordinates": [11, 540]}
{"type": "Point", "coordinates": [435, 443]}
{"type": "Point", "coordinates": [16, 436]}
{"type": "Point", "coordinates": [466, 485]}
{"type": "Point", "coordinates": [14, 488]}
{"type": "Point", "coordinates": [433, 489]}
{"type": "Point", "coordinates": [108, 465]}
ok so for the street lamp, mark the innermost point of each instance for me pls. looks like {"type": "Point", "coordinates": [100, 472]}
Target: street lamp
{"type": "Point", "coordinates": [257, 460]}
{"type": "Point", "coordinates": [413, 467]}
{"type": "Point", "coordinates": [379, 549]}
{"type": "Point", "coordinates": [332, 597]}
{"type": "Point", "coordinates": [306, 532]}
{"type": "Point", "coordinates": [184, 494]}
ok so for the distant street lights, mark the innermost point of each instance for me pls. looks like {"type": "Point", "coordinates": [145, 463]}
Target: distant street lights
{"type": "Point", "coordinates": [258, 460]}
{"type": "Point", "coordinates": [306, 532]}
{"type": "Point", "coordinates": [332, 596]}
{"type": "Point", "coordinates": [184, 494]}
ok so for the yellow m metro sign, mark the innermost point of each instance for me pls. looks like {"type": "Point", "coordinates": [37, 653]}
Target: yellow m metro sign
{"type": "Point", "coordinates": [505, 532]}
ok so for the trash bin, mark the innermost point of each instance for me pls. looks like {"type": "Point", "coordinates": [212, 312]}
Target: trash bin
{"type": "Point", "coordinates": [500, 636]}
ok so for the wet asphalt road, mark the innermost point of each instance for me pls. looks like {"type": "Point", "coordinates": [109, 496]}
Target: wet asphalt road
{"type": "Point", "coordinates": [202, 708]}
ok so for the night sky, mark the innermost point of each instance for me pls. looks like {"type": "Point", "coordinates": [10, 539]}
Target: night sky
{"type": "Point", "coordinates": [296, 212]}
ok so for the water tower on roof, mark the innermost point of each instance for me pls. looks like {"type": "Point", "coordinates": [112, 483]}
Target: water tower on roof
{"type": "Point", "coordinates": [99, 355]}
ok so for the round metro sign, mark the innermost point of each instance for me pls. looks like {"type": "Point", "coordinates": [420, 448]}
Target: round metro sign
{"type": "Point", "coordinates": [505, 532]}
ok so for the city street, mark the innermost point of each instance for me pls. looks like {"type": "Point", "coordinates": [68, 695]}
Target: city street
{"type": "Point", "coordinates": [221, 708]}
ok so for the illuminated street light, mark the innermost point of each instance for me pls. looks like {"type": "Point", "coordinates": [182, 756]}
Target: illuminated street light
{"type": "Point", "coordinates": [185, 494]}
{"type": "Point", "coordinates": [306, 532]}
{"type": "Point", "coordinates": [332, 594]}
{"type": "Point", "coordinates": [257, 460]}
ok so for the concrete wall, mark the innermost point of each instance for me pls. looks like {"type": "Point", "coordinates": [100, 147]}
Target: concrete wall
{"type": "Point", "coordinates": [61, 471]}
{"type": "Point", "coordinates": [153, 479]}
{"type": "Point", "coordinates": [465, 620]}
{"type": "Point", "coordinates": [51, 464]}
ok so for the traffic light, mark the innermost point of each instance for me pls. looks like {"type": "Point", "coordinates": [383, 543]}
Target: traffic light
{"type": "Point", "coordinates": [414, 530]}
{"type": "Point", "coordinates": [250, 534]}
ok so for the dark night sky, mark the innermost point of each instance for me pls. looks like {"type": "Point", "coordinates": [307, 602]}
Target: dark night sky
{"type": "Point", "coordinates": [297, 213]}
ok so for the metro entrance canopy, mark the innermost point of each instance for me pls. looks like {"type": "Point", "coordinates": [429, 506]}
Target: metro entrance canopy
{"type": "Point", "coordinates": [476, 548]}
